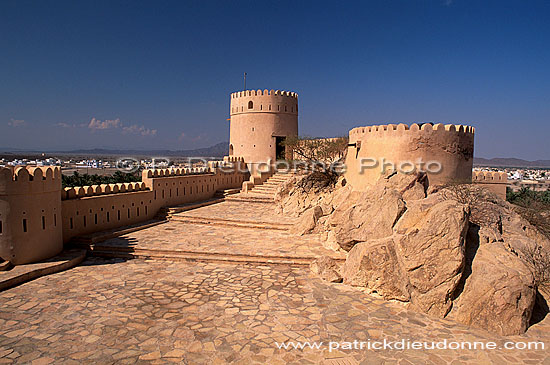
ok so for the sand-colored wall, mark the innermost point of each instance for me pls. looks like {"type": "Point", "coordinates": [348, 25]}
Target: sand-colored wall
{"type": "Point", "coordinates": [253, 130]}
{"type": "Point", "coordinates": [30, 214]}
{"type": "Point", "coordinates": [35, 194]}
{"type": "Point", "coordinates": [492, 181]}
{"type": "Point", "coordinates": [452, 146]}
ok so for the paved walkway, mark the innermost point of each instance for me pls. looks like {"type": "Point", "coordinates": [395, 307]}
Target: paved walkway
{"type": "Point", "coordinates": [145, 311]}
{"type": "Point", "coordinates": [107, 311]}
{"type": "Point", "coordinates": [227, 228]}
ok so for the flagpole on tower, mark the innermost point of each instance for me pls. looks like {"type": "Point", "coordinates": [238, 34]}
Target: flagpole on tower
{"type": "Point", "coordinates": [245, 81]}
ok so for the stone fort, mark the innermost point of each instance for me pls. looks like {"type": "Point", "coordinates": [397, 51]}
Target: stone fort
{"type": "Point", "coordinates": [38, 216]}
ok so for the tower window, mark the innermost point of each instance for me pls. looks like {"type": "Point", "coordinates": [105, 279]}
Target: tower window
{"type": "Point", "coordinates": [250, 104]}
{"type": "Point", "coordinates": [242, 108]}
{"type": "Point", "coordinates": [261, 106]}
{"type": "Point", "coordinates": [278, 107]}
{"type": "Point", "coordinates": [252, 129]}
{"type": "Point", "coordinates": [269, 106]}
{"type": "Point", "coordinates": [285, 108]}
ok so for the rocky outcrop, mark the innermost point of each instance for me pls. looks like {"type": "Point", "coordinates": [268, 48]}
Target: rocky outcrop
{"type": "Point", "coordinates": [450, 252]}
{"type": "Point", "coordinates": [420, 262]}
{"type": "Point", "coordinates": [308, 221]}
{"type": "Point", "coordinates": [430, 242]}
{"type": "Point", "coordinates": [327, 269]}
{"type": "Point", "coordinates": [365, 217]}
{"type": "Point", "coordinates": [375, 266]}
{"type": "Point", "coordinates": [498, 292]}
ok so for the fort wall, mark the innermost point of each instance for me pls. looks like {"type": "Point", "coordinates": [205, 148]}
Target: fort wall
{"type": "Point", "coordinates": [423, 146]}
{"type": "Point", "coordinates": [30, 213]}
{"type": "Point", "coordinates": [37, 216]}
{"type": "Point", "coordinates": [495, 182]}
{"type": "Point", "coordinates": [257, 119]}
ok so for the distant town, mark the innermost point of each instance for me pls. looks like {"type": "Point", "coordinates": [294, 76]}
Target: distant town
{"type": "Point", "coordinates": [104, 165]}
{"type": "Point", "coordinates": [537, 179]}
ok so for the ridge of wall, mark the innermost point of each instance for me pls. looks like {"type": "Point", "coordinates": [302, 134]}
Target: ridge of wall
{"type": "Point", "coordinates": [490, 177]}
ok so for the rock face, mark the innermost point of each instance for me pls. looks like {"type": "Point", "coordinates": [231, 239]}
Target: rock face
{"type": "Point", "coordinates": [374, 265]}
{"type": "Point", "coordinates": [448, 255]}
{"type": "Point", "coordinates": [498, 295]}
{"type": "Point", "coordinates": [430, 241]}
{"type": "Point", "coordinates": [308, 221]}
{"type": "Point", "coordinates": [327, 268]}
{"type": "Point", "coordinates": [420, 262]}
{"type": "Point", "coordinates": [369, 217]}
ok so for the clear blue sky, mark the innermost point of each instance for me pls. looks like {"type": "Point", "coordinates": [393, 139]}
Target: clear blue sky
{"type": "Point", "coordinates": [157, 74]}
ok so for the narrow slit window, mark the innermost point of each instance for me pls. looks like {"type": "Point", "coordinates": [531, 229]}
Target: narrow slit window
{"type": "Point", "coordinates": [43, 222]}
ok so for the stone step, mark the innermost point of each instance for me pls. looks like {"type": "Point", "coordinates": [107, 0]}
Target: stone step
{"type": "Point", "coordinates": [193, 256]}
{"type": "Point", "coordinates": [112, 233]}
{"type": "Point", "coordinates": [185, 207]}
{"type": "Point", "coordinates": [265, 189]}
{"type": "Point", "coordinates": [226, 192]}
{"type": "Point", "coordinates": [252, 199]}
{"type": "Point", "coordinates": [231, 222]}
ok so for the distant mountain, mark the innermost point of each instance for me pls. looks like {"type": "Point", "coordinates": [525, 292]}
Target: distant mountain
{"type": "Point", "coordinates": [218, 150]}
{"type": "Point", "coordinates": [510, 162]}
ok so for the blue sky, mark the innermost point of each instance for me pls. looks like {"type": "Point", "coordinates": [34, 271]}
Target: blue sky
{"type": "Point", "coordinates": [158, 74]}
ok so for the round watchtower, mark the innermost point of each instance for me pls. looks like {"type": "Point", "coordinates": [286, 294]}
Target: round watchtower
{"type": "Point", "coordinates": [260, 122]}
{"type": "Point", "coordinates": [445, 152]}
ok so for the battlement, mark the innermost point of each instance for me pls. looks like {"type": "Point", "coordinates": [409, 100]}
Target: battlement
{"type": "Point", "coordinates": [249, 93]}
{"type": "Point", "coordinates": [29, 179]}
{"type": "Point", "coordinates": [153, 173]}
{"type": "Point", "coordinates": [233, 159]}
{"type": "Point", "coordinates": [356, 133]}
{"type": "Point", "coordinates": [103, 189]}
{"type": "Point", "coordinates": [489, 177]}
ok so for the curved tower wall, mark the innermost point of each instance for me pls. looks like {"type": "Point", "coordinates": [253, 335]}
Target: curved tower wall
{"type": "Point", "coordinates": [449, 145]}
{"type": "Point", "coordinates": [257, 118]}
{"type": "Point", "coordinates": [30, 214]}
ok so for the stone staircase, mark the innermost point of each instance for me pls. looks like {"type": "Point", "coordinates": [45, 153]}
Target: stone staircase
{"type": "Point", "coordinates": [192, 219]}
{"type": "Point", "coordinates": [264, 193]}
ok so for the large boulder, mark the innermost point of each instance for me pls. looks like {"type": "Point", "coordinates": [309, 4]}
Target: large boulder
{"type": "Point", "coordinates": [430, 242]}
{"type": "Point", "coordinates": [308, 221]}
{"type": "Point", "coordinates": [374, 265]}
{"type": "Point", "coordinates": [421, 262]}
{"type": "Point", "coordinates": [366, 216]}
{"type": "Point", "coordinates": [327, 269]}
{"type": "Point", "coordinates": [498, 294]}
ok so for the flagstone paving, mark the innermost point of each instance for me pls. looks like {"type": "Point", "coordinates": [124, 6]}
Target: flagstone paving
{"type": "Point", "coordinates": [140, 311]}
{"type": "Point", "coordinates": [222, 237]}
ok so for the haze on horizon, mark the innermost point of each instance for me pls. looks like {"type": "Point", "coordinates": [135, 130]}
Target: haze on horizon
{"type": "Point", "coordinates": [157, 75]}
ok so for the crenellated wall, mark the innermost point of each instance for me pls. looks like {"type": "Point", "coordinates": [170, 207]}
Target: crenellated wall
{"type": "Point", "coordinates": [30, 213]}
{"type": "Point", "coordinates": [257, 118]}
{"type": "Point", "coordinates": [493, 181]}
{"type": "Point", "coordinates": [53, 216]}
{"type": "Point", "coordinates": [447, 148]}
